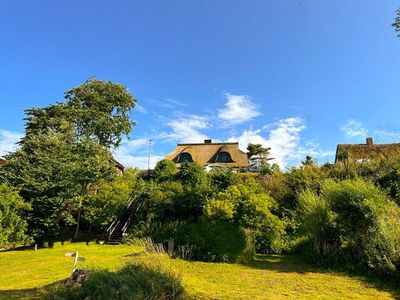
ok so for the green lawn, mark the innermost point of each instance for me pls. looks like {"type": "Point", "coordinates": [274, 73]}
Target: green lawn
{"type": "Point", "coordinates": [24, 274]}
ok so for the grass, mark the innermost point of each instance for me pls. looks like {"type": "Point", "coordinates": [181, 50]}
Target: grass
{"type": "Point", "coordinates": [28, 273]}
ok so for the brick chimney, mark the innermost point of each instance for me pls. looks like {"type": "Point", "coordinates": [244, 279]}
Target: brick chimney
{"type": "Point", "coordinates": [370, 141]}
{"type": "Point", "coordinates": [207, 141]}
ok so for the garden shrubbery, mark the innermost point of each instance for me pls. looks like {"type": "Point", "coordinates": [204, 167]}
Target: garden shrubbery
{"type": "Point", "coordinates": [150, 281]}
{"type": "Point", "coordinates": [344, 214]}
{"type": "Point", "coordinates": [209, 213]}
{"type": "Point", "coordinates": [355, 221]}
{"type": "Point", "coordinates": [13, 226]}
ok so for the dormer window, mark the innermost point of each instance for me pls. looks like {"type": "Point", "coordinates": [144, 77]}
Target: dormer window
{"type": "Point", "coordinates": [184, 156]}
{"type": "Point", "coordinates": [223, 157]}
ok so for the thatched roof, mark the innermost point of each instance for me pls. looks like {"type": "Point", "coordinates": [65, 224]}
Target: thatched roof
{"type": "Point", "coordinates": [2, 160]}
{"type": "Point", "coordinates": [367, 151]}
{"type": "Point", "coordinates": [209, 153]}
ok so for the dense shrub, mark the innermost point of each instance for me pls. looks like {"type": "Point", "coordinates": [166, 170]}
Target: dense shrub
{"type": "Point", "coordinates": [12, 224]}
{"type": "Point", "coordinates": [164, 170]}
{"type": "Point", "coordinates": [192, 174]}
{"type": "Point", "coordinates": [215, 241]}
{"type": "Point", "coordinates": [110, 198]}
{"type": "Point", "coordinates": [159, 232]}
{"type": "Point", "coordinates": [248, 205]}
{"type": "Point", "coordinates": [354, 220]}
{"type": "Point", "coordinates": [222, 179]}
{"type": "Point", "coordinates": [317, 222]}
{"type": "Point", "coordinates": [135, 281]}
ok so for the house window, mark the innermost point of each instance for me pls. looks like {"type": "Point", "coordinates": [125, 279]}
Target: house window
{"type": "Point", "coordinates": [184, 157]}
{"type": "Point", "coordinates": [224, 157]}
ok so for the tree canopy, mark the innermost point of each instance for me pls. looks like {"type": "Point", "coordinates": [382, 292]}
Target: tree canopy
{"type": "Point", "coordinates": [66, 152]}
{"type": "Point", "coordinates": [396, 23]}
{"type": "Point", "coordinates": [97, 109]}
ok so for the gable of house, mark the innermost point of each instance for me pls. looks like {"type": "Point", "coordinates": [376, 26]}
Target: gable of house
{"type": "Point", "coordinates": [209, 153]}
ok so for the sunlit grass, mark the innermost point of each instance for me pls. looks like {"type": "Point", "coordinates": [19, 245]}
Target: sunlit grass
{"type": "Point", "coordinates": [23, 273]}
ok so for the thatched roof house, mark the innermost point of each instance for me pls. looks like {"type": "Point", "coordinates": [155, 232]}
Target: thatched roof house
{"type": "Point", "coordinates": [2, 160]}
{"type": "Point", "coordinates": [367, 151]}
{"type": "Point", "coordinates": [209, 153]}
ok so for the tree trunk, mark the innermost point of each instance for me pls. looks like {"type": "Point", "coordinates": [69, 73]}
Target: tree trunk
{"type": "Point", "coordinates": [77, 223]}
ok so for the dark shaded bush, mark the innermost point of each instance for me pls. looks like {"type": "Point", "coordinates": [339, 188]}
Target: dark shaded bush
{"type": "Point", "coordinates": [215, 241]}
{"type": "Point", "coordinates": [222, 179]}
{"type": "Point", "coordinates": [136, 281]}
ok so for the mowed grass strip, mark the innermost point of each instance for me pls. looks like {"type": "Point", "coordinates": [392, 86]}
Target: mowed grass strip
{"type": "Point", "coordinates": [32, 269]}
{"type": "Point", "coordinates": [25, 273]}
{"type": "Point", "coordinates": [272, 277]}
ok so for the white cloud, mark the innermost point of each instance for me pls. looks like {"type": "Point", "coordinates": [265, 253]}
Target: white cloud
{"type": "Point", "coordinates": [186, 129]}
{"type": "Point", "coordinates": [388, 134]}
{"type": "Point", "coordinates": [140, 108]}
{"type": "Point", "coordinates": [134, 153]}
{"type": "Point", "coordinates": [8, 140]}
{"type": "Point", "coordinates": [354, 128]}
{"type": "Point", "coordinates": [168, 103]}
{"type": "Point", "coordinates": [238, 109]}
{"type": "Point", "coordinates": [284, 139]}
{"type": "Point", "coordinates": [139, 162]}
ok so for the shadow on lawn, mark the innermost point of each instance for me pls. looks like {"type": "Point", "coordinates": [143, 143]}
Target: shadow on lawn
{"type": "Point", "coordinates": [290, 264]}
{"type": "Point", "coordinates": [27, 294]}
{"type": "Point", "coordinates": [280, 263]}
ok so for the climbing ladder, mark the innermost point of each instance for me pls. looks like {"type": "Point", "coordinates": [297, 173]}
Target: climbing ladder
{"type": "Point", "coordinates": [120, 225]}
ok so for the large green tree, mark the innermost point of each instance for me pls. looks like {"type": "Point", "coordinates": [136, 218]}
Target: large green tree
{"type": "Point", "coordinates": [97, 109]}
{"type": "Point", "coordinates": [66, 152]}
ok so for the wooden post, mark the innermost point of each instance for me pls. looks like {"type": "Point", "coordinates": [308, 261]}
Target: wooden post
{"type": "Point", "coordinates": [75, 261]}
{"type": "Point", "coordinates": [171, 246]}
{"type": "Point", "coordinates": [76, 257]}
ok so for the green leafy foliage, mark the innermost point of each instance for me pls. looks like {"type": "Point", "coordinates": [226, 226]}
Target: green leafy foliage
{"type": "Point", "coordinates": [134, 281]}
{"type": "Point", "coordinates": [356, 220]}
{"type": "Point", "coordinates": [396, 23]}
{"type": "Point", "coordinates": [164, 170]}
{"type": "Point", "coordinates": [65, 153]}
{"type": "Point", "coordinates": [248, 205]}
{"type": "Point", "coordinates": [110, 199]}
{"type": "Point", "coordinates": [215, 241]}
{"type": "Point", "coordinates": [192, 174]}
{"type": "Point", "coordinates": [13, 227]}
{"type": "Point", "coordinates": [222, 179]}
{"type": "Point", "coordinates": [53, 173]}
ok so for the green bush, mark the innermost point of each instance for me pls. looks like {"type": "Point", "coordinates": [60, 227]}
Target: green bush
{"type": "Point", "coordinates": [135, 281]}
{"type": "Point", "coordinates": [13, 227]}
{"type": "Point", "coordinates": [164, 170]}
{"type": "Point", "coordinates": [318, 222]}
{"type": "Point", "coordinates": [248, 205]}
{"type": "Point", "coordinates": [222, 179]}
{"type": "Point", "coordinates": [110, 198]}
{"type": "Point", "coordinates": [159, 232]}
{"type": "Point", "coordinates": [192, 174]}
{"type": "Point", "coordinates": [215, 241]}
{"type": "Point", "coordinates": [354, 221]}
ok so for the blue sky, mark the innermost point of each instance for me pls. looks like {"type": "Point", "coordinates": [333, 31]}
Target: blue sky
{"type": "Point", "coordinates": [298, 76]}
